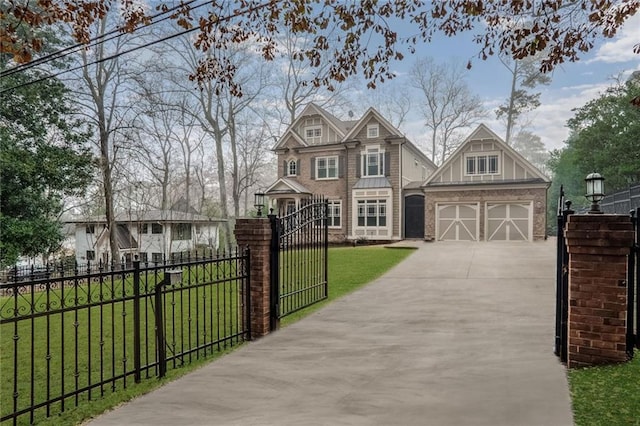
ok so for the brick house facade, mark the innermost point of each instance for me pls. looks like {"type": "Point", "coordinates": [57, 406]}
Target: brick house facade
{"type": "Point", "coordinates": [380, 186]}
{"type": "Point", "coordinates": [361, 166]}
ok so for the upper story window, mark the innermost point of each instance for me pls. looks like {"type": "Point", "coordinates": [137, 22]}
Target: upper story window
{"type": "Point", "coordinates": [373, 164]}
{"type": "Point", "coordinates": [292, 168]}
{"type": "Point", "coordinates": [326, 167]}
{"type": "Point", "coordinates": [143, 228]}
{"type": "Point", "coordinates": [181, 231]}
{"type": "Point", "coordinates": [91, 229]}
{"type": "Point", "coordinates": [372, 131]}
{"type": "Point", "coordinates": [486, 164]}
{"type": "Point", "coordinates": [156, 228]}
{"type": "Point", "coordinates": [313, 134]}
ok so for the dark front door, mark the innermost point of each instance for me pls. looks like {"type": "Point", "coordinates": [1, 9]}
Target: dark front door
{"type": "Point", "coordinates": [414, 216]}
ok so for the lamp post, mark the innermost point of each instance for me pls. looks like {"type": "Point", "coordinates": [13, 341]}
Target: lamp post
{"type": "Point", "coordinates": [259, 203]}
{"type": "Point", "coordinates": [595, 191]}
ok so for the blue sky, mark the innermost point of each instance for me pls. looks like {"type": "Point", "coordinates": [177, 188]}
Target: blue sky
{"type": "Point", "coordinates": [572, 85]}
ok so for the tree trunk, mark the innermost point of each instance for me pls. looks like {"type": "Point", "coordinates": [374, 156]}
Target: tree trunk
{"type": "Point", "coordinates": [511, 112]}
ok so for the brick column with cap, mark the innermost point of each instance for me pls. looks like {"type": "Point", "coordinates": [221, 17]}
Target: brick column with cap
{"type": "Point", "coordinates": [598, 246]}
{"type": "Point", "coordinates": [255, 233]}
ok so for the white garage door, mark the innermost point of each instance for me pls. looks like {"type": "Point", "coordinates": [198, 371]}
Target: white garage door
{"type": "Point", "coordinates": [509, 222]}
{"type": "Point", "coordinates": [457, 222]}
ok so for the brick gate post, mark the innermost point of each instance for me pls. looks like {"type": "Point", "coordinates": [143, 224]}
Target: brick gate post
{"type": "Point", "coordinates": [598, 246]}
{"type": "Point", "coordinates": [256, 234]}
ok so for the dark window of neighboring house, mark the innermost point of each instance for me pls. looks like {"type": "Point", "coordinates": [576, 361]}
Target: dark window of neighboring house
{"type": "Point", "coordinates": [156, 257]}
{"type": "Point", "coordinates": [156, 228]}
{"type": "Point", "coordinates": [181, 231]}
{"type": "Point", "coordinates": [91, 255]}
{"type": "Point", "coordinates": [91, 229]}
{"type": "Point", "coordinates": [144, 257]}
{"type": "Point", "coordinates": [143, 228]}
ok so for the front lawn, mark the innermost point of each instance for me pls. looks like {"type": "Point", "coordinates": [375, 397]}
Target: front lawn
{"type": "Point", "coordinates": [608, 395]}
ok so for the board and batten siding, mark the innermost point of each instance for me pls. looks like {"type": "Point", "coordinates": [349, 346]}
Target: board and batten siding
{"type": "Point", "coordinates": [509, 168]}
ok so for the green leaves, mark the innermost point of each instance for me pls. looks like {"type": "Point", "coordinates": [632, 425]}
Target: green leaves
{"type": "Point", "coordinates": [42, 159]}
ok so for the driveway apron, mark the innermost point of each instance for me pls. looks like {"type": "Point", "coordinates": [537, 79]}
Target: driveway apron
{"type": "Point", "coordinates": [457, 334]}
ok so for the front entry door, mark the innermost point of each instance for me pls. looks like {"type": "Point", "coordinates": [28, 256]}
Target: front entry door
{"type": "Point", "coordinates": [414, 216]}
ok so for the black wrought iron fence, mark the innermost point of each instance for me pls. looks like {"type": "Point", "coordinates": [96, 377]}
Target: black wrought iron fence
{"type": "Point", "coordinates": [66, 338]}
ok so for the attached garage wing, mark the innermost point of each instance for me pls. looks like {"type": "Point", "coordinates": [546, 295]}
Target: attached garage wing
{"type": "Point", "coordinates": [509, 222]}
{"type": "Point", "coordinates": [457, 222]}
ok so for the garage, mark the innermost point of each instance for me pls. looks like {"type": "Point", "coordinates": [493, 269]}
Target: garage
{"type": "Point", "coordinates": [508, 222]}
{"type": "Point", "coordinates": [457, 222]}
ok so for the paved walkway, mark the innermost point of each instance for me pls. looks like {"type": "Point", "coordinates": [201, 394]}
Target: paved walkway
{"type": "Point", "coordinates": [458, 334]}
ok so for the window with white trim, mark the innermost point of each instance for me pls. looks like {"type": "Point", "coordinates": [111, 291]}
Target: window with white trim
{"type": "Point", "coordinates": [292, 168]}
{"type": "Point", "coordinates": [313, 134]}
{"type": "Point", "coordinates": [373, 162]}
{"type": "Point", "coordinates": [335, 213]}
{"type": "Point", "coordinates": [372, 131]}
{"type": "Point", "coordinates": [482, 164]}
{"type": "Point", "coordinates": [326, 167]}
{"type": "Point", "coordinates": [372, 213]}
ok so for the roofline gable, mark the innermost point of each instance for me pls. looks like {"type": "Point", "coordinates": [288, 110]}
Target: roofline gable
{"type": "Point", "coordinates": [285, 182]}
{"type": "Point", "coordinates": [372, 111]}
{"type": "Point", "coordinates": [310, 109]}
{"type": "Point", "coordinates": [526, 163]}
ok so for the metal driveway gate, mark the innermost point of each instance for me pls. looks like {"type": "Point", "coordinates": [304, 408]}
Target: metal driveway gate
{"type": "Point", "coordinates": [299, 248]}
{"type": "Point", "coordinates": [562, 281]}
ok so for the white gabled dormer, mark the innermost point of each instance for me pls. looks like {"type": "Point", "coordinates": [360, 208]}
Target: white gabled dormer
{"type": "Point", "coordinates": [485, 157]}
{"type": "Point", "coordinates": [314, 126]}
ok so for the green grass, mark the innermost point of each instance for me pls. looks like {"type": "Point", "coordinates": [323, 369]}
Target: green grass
{"type": "Point", "coordinates": [349, 269]}
{"type": "Point", "coordinates": [607, 395]}
{"type": "Point", "coordinates": [88, 337]}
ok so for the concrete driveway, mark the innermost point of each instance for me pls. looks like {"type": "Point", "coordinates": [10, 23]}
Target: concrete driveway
{"type": "Point", "coordinates": [457, 334]}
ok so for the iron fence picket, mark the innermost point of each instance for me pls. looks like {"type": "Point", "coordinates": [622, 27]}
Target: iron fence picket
{"type": "Point", "coordinates": [112, 307]}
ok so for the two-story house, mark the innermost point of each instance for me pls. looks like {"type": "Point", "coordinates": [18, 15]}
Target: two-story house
{"type": "Point", "coordinates": [369, 171]}
{"type": "Point", "coordinates": [153, 235]}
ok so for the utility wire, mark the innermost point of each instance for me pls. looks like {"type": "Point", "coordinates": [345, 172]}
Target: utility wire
{"type": "Point", "coordinates": [92, 42]}
{"type": "Point", "coordinates": [115, 55]}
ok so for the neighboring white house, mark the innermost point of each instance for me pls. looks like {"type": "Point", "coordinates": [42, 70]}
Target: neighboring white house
{"type": "Point", "coordinates": [152, 235]}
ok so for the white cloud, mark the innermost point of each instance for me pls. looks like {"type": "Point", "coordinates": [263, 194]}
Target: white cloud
{"type": "Point", "coordinates": [557, 107]}
{"type": "Point", "coordinates": [620, 49]}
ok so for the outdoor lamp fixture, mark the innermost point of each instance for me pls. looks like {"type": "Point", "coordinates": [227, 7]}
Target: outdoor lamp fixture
{"type": "Point", "coordinates": [259, 202]}
{"type": "Point", "coordinates": [595, 191]}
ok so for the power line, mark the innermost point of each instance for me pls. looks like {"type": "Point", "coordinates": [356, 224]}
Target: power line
{"type": "Point", "coordinates": [115, 55]}
{"type": "Point", "coordinates": [92, 42]}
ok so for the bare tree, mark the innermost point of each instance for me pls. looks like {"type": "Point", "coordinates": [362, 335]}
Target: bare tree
{"type": "Point", "coordinates": [254, 158]}
{"type": "Point", "coordinates": [216, 110]}
{"type": "Point", "coordinates": [101, 93]}
{"type": "Point", "coordinates": [447, 103]}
